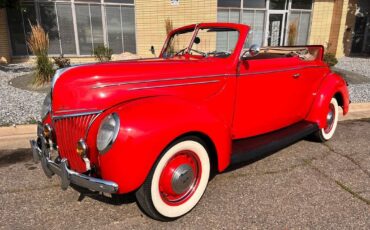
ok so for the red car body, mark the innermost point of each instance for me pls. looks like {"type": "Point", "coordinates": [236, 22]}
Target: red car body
{"type": "Point", "coordinates": [161, 99]}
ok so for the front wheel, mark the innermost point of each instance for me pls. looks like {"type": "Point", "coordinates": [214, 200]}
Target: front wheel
{"type": "Point", "coordinates": [177, 181]}
{"type": "Point", "coordinates": [325, 134]}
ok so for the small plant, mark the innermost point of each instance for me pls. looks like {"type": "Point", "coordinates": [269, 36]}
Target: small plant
{"type": "Point", "coordinates": [292, 34]}
{"type": "Point", "coordinates": [103, 53]}
{"type": "Point", "coordinates": [169, 25]}
{"type": "Point", "coordinates": [330, 59]}
{"type": "Point", "coordinates": [38, 43]}
{"type": "Point", "coordinates": [62, 62]}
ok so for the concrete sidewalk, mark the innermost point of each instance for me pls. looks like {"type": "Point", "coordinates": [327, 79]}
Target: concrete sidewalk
{"type": "Point", "coordinates": [19, 136]}
{"type": "Point", "coordinates": [357, 111]}
{"type": "Point", "coordinates": [15, 137]}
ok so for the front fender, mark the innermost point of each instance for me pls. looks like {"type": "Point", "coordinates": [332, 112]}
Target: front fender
{"type": "Point", "coordinates": [148, 126]}
{"type": "Point", "coordinates": [332, 86]}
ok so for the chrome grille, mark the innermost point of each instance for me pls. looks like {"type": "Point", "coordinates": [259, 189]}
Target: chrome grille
{"type": "Point", "coordinates": [69, 130]}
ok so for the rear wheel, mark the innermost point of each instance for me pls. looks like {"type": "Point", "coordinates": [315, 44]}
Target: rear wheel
{"type": "Point", "coordinates": [177, 181]}
{"type": "Point", "coordinates": [325, 134]}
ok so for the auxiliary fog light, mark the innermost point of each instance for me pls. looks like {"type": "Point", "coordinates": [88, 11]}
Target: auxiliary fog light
{"type": "Point", "coordinates": [47, 131]}
{"type": "Point", "coordinates": [81, 148]}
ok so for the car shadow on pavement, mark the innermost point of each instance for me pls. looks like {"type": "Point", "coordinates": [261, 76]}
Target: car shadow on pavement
{"type": "Point", "coordinates": [9, 157]}
{"type": "Point", "coordinates": [112, 199]}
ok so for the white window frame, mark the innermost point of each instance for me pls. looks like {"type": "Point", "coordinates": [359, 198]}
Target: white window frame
{"type": "Point", "coordinates": [286, 17]}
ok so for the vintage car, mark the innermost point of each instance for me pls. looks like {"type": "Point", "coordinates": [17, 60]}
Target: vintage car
{"type": "Point", "coordinates": [159, 127]}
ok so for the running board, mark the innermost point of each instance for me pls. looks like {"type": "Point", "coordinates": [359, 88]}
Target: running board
{"type": "Point", "coordinates": [255, 147]}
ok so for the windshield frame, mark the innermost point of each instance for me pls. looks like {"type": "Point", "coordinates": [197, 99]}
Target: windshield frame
{"type": "Point", "coordinates": [241, 29]}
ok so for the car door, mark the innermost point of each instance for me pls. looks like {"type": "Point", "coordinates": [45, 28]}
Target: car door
{"type": "Point", "coordinates": [268, 96]}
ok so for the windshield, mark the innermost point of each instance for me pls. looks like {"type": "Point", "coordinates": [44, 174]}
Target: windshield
{"type": "Point", "coordinates": [208, 42]}
{"type": "Point", "coordinates": [178, 43]}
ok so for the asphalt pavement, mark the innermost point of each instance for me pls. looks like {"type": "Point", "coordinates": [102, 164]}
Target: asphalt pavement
{"type": "Point", "coordinates": [306, 185]}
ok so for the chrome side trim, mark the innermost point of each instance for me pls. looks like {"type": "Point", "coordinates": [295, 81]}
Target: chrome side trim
{"type": "Point", "coordinates": [160, 80]}
{"type": "Point", "coordinates": [76, 114]}
{"type": "Point", "coordinates": [279, 70]}
{"type": "Point", "coordinates": [174, 85]}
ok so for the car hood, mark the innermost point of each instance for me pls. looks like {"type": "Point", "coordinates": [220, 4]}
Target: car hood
{"type": "Point", "coordinates": [96, 87]}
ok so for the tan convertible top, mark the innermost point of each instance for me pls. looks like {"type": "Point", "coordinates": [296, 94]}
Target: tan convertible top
{"type": "Point", "coordinates": [303, 52]}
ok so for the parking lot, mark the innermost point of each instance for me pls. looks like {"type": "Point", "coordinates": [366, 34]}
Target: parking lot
{"type": "Point", "coordinates": [307, 185]}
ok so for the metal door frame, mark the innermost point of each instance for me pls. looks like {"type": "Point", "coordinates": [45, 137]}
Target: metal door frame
{"type": "Point", "coordinates": [282, 34]}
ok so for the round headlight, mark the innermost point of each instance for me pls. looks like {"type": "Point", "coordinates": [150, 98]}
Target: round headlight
{"type": "Point", "coordinates": [46, 106]}
{"type": "Point", "coordinates": [107, 133]}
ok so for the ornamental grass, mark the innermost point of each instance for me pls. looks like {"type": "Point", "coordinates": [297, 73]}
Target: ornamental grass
{"type": "Point", "coordinates": [38, 43]}
{"type": "Point", "coordinates": [292, 34]}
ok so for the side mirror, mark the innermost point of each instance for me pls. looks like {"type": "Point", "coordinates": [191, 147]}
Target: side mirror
{"type": "Point", "coordinates": [254, 50]}
{"type": "Point", "coordinates": [152, 50]}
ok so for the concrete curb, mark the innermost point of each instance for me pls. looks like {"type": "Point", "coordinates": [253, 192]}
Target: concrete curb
{"type": "Point", "coordinates": [357, 111]}
{"type": "Point", "coordinates": [15, 137]}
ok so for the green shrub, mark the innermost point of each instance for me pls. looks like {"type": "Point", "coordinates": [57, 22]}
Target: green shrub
{"type": "Point", "coordinates": [44, 70]}
{"type": "Point", "coordinates": [62, 62]}
{"type": "Point", "coordinates": [103, 53]}
{"type": "Point", "coordinates": [330, 59]}
{"type": "Point", "coordinates": [38, 42]}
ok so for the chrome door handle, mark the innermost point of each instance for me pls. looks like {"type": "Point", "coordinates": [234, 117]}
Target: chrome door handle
{"type": "Point", "coordinates": [297, 75]}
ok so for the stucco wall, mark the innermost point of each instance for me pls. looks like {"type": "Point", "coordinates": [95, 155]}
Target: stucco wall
{"type": "Point", "coordinates": [322, 15]}
{"type": "Point", "coordinates": [151, 16]}
{"type": "Point", "coordinates": [332, 22]}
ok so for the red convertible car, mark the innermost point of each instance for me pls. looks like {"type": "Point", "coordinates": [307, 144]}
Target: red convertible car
{"type": "Point", "coordinates": [160, 126]}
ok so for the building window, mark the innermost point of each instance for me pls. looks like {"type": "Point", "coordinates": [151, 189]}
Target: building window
{"type": "Point", "coordinates": [256, 19]}
{"type": "Point", "coordinates": [19, 27]}
{"type": "Point", "coordinates": [302, 4]}
{"type": "Point", "coordinates": [229, 3]}
{"type": "Point", "coordinates": [278, 4]}
{"type": "Point", "coordinates": [301, 21]}
{"type": "Point", "coordinates": [89, 27]}
{"type": "Point", "coordinates": [254, 4]}
{"type": "Point", "coordinates": [231, 37]}
{"type": "Point", "coordinates": [48, 20]}
{"type": "Point", "coordinates": [269, 20]}
{"type": "Point", "coordinates": [66, 29]}
{"type": "Point", "coordinates": [87, 22]}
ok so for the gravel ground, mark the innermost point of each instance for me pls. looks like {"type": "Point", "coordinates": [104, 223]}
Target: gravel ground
{"type": "Point", "coordinates": [359, 93]}
{"type": "Point", "coordinates": [356, 65]}
{"type": "Point", "coordinates": [17, 106]}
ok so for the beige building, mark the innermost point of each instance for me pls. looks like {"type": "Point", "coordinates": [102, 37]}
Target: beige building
{"type": "Point", "coordinates": [76, 27]}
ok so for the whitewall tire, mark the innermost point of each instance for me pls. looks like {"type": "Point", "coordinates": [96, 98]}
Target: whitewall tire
{"type": "Point", "coordinates": [325, 134]}
{"type": "Point", "coordinates": [177, 181]}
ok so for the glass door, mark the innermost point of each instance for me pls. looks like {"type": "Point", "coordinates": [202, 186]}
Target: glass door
{"type": "Point", "coordinates": [276, 29]}
{"type": "Point", "coordinates": [358, 38]}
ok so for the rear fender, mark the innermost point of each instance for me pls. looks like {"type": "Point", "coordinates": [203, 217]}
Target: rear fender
{"type": "Point", "coordinates": [147, 127]}
{"type": "Point", "coordinates": [332, 86]}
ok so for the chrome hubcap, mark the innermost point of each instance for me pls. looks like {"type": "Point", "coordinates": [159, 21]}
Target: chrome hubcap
{"type": "Point", "coordinates": [182, 179]}
{"type": "Point", "coordinates": [330, 117]}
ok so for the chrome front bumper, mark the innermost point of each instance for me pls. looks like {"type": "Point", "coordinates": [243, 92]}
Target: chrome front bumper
{"type": "Point", "coordinates": [66, 175]}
